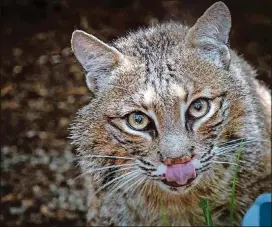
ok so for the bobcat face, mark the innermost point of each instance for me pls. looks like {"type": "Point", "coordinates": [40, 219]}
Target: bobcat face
{"type": "Point", "coordinates": [170, 109]}
{"type": "Point", "coordinates": [151, 121]}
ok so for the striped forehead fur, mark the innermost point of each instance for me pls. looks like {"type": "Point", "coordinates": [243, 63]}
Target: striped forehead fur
{"type": "Point", "coordinates": [171, 90]}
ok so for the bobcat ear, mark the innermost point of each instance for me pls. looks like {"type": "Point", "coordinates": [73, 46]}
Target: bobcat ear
{"type": "Point", "coordinates": [210, 35]}
{"type": "Point", "coordinates": [96, 57]}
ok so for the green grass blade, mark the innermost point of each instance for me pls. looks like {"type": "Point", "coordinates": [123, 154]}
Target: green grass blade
{"type": "Point", "coordinates": [163, 215]}
{"type": "Point", "coordinates": [232, 200]}
{"type": "Point", "coordinates": [207, 212]}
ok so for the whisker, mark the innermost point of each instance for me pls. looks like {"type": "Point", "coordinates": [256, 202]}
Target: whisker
{"type": "Point", "coordinates": [121, 184]}
{"type": "Point", "coordinates": [243, 140]}
{"type": "Point", "coordinates": [144, 186]}
{"type": "Point", "coordinates": [139, 183]}
{"type": "Point", "coordinates": [127, 189]}
{"type": "Point", "coordinates": [142, 180]}
{"type": "Point", "coordinates": [231, 163]}
{"type": "Point", "coordinates": [232, 141]}
{"type": "Point", "coordinates": [229, 155]}
{"type": "Point", "coordinates": [112, 181]}
{"type": "Point", "coordinates": [231, 147]}
{"type": "Point", "coordinates": [119, 170]}
{"type": "Point", "coordinates": [108, 174]}
{"type": "Point", "coordinates": [103, 156]}
{"type": "Point", "coordinates": [240, 143]}
{"type": "Point", "coordinates": [102, 168]}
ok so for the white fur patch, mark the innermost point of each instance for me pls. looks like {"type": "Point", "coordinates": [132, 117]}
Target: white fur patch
{"type": "Point", "coordinates": [149, 95]}
{"type": "Point", "coordinates": [183, 108]}
{"type": "Point", "coordinates": [196, 163]}
{"type": "Point", "coordinates": [160, 170]}
{"type": "Point", "coordinates": [206, 92]}
{"type": "Point", "coordinates": [137, 133]}
{"type": "Point", "coordinates": [177, 90]}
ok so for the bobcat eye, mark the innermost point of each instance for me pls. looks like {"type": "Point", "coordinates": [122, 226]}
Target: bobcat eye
{"type": "Point", "coordinates": [199, 108]}
{"type": "Point", "coordinates": [138, 121]}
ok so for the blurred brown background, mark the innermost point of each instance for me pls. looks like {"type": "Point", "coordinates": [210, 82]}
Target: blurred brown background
{"type": "Point", "coordinates": [42, 86]}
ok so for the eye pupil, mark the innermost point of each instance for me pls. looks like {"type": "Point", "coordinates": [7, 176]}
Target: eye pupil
{"type": "Point", "coordinates": [198, 106]}
{"type": "Point", "coordinates": [138, 118]}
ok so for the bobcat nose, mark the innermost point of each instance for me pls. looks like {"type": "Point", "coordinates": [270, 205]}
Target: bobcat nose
{"type": "Point", "coordinates": [175, 161]}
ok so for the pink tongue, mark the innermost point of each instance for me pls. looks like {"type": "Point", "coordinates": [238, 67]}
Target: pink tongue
{"type": "Point", "coordinates": [180, 173]}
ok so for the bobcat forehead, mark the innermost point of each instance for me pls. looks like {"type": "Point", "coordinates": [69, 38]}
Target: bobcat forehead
{"type": "Point", "coordinates": [170, 90]}
{"type": "Point", "coordinates": [177, 90]}
{"type": "Point", "coordinates": [149, 95]}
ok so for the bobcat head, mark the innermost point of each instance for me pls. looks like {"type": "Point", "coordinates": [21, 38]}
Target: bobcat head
{"type": "Point", "coordinates": [171, 107]}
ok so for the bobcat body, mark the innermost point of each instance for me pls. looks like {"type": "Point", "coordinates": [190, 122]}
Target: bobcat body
{"type": "Point", "coordinates": [170, 100]}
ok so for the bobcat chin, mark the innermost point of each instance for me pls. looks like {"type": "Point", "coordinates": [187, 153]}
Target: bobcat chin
{"type": "Point", "coordinates": [172, 107]}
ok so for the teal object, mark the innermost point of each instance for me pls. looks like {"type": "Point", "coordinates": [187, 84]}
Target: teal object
{"type": "Point", "coordinates": [259, 213]}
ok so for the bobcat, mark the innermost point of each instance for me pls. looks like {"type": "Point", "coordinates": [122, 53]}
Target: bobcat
{"type": "Point", "coordinates": [173, 108]}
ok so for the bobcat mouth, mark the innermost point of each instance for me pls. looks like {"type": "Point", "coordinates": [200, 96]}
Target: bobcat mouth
{"type": "Point", "coordinates": [175, 184]}
{"type": "Point", "coordinates": [179, 175]}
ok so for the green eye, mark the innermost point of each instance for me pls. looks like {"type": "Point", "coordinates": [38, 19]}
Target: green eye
{"type": "Point", "coordinates": [138, 121]}
{"type": "Point", "coordinates": [199, 108]}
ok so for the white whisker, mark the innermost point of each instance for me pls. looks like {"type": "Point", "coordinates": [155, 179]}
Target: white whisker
{"type": "Point", "coordinates": [243, 141]}
{"type": "Point", "coordinates": [231, 141]}
{"type": "Point", "coordinates": [230, 163]}
{"type": "Point", "coordinates": [119, 170]}
{"type": "Point", "coordinates": [229, 155]}
{"type": "Point", "coordinates": [133, 184]}
{"type": "Point", "coordinates": [142, 179]}
{"type": "Point", "coordinates": [226, 149]}
{"type": "Point", "coordinates": [121, 184]}
{"type": "Point", "coordinates": [112, 181]}
{"type": "Point", "coordinates": [144, 186]}
{"type": "Point", "coordinates": [102, 168]}
{"type": "Point", "coordinates": [104, 156]}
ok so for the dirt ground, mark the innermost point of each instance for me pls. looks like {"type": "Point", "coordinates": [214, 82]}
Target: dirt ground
{"type": "Point", "coordinates": [42, 86]}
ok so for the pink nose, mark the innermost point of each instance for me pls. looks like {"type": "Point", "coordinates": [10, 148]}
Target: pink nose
{"type": "Point", "coordinates": [175, 161]}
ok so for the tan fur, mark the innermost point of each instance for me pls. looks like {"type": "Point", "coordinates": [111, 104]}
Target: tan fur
{"type": "Point", "coordinates": [156, 71]}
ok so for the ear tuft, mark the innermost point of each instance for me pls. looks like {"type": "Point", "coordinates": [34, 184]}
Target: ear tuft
{"type": "Point", "coordinates": [210, 35]}
{"type": "Point", "coordinates": [96, 57]}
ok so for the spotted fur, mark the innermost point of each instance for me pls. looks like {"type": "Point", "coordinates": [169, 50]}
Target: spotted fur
{"type": "Point", "coordinates": [160, 71]}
